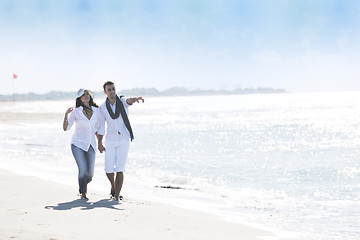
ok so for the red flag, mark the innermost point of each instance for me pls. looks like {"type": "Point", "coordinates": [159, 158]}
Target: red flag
{"type": "Point", "coordinates": [14, 75]}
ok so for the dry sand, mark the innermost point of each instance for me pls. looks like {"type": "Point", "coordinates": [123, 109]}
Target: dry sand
{"type": "Point", "coordinates": [32, 208]}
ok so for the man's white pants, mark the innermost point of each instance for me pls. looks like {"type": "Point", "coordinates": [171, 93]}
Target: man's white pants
{"type": "Point", "coordinates": [116, 154]}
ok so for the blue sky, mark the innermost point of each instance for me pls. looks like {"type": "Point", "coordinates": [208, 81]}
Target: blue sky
{"type": "Point", "coordinates": [298, 45]}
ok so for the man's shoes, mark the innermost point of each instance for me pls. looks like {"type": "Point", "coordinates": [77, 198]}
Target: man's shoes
{"type": "Point", "coordinates": [112, 193]}
{"type": "Point", "coordinates": [118, 199]}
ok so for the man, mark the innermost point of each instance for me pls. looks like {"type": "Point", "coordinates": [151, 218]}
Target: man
{"type": "Point", "coordinates": [114, 111]}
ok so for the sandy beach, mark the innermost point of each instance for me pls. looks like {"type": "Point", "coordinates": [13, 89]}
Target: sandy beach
{"type": "Point", "coordinates": [32, 208]}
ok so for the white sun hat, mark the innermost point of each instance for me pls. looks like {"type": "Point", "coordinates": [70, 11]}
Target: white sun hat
{"type": "Point", "coordinates": [82, 91]}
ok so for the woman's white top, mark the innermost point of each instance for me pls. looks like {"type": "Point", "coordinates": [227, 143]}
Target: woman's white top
{"type": "Point", "coordinates": [85, 129]}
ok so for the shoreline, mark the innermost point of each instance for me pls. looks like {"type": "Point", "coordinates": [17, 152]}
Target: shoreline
{"type": "Point", "coordinates": [38, 209]}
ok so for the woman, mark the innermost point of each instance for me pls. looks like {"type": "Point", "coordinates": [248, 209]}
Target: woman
{"type": "Point", "coordinates": [83, 144]}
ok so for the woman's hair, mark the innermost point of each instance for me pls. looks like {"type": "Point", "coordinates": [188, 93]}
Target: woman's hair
{"type": "Point", "coordinates": [79, 103]}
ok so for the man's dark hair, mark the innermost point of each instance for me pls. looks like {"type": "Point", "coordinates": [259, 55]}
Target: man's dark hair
{"type": "Point", "coordinates": [107, 83]}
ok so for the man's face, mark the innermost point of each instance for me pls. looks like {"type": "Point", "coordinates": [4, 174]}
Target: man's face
{"type": "Point", "coordinates": [110, 91]}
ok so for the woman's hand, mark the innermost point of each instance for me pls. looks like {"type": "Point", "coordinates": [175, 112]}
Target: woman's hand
{"type": "Point", "coordinates": [65, 123]}
{"type": "Point", "coordinates": [69, 110]}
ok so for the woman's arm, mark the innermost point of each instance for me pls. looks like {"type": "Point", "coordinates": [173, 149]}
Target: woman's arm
{"type": "Point", "coordinates": [66, 118]}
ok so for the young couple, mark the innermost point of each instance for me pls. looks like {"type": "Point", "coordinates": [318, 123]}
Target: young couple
{"type": "Point", "coordinates": [89, 122]}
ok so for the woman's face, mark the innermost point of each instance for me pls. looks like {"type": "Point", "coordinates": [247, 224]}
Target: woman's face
{"type": "Point", "coordinates": [85, 98]}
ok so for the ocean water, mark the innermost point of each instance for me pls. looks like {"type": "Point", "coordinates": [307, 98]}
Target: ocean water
{"type": "Point", "coordinates": [287, 162]}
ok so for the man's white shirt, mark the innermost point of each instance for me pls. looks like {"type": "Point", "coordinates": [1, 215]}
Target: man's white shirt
{"type": "Point", "coordinates": [115, 128]}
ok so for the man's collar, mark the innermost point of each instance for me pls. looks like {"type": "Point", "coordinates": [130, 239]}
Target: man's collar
{"type": "Point", "coordinates": [110, 101]}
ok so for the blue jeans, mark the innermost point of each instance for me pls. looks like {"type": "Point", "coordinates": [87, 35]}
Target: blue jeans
{"type": "Point", "coordinates": [86, 164]}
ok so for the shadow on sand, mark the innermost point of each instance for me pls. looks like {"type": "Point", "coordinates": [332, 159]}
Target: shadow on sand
{"type": "Point", "coordinates": [86, 205]}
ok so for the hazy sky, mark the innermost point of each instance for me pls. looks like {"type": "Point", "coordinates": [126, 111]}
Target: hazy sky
{"type": "Point", "coordinates": [298, 45]}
